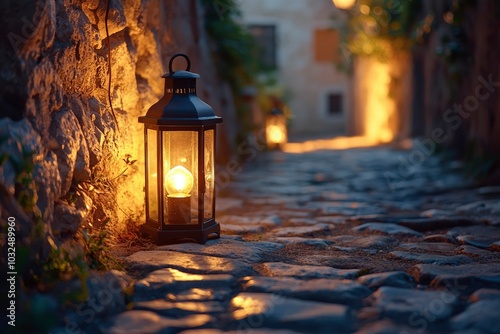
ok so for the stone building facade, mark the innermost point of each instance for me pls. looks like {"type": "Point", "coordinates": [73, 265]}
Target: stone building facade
{"type": "Point", "coordinates": [301, 42]}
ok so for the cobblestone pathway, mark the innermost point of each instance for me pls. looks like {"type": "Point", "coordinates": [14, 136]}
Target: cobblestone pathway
{"type": "Point", "coordinates": [354, 241]}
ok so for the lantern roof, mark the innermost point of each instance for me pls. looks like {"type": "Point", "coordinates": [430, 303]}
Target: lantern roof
{"type": "Point", "coordinates": [181, 75]}
{"type": "Point", "coordinates": [180, 105]}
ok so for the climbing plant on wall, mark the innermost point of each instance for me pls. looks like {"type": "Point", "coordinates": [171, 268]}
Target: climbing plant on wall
{"type": "Point", "coordinates": [232, 43]}
{"type": "Point", "coordinates": [380, 27]}
{"type": "Point", "coordinates": [234, 54]}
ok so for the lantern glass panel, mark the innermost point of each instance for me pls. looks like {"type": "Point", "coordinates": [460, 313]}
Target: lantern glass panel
{"type": "Point", "coordinates": [209, 174]}
{"type": "Point", "coordinates": [152, 140]}
{"type": "Point", "coordinates": [180, 170]}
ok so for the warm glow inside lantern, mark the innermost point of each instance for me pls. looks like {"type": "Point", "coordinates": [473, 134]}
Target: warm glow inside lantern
{"type": "Point", "coordinates": [180, 152]}
{"type": "Point", "coordinates": [276, 132]}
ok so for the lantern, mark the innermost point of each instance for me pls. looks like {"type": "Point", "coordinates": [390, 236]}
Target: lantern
{"type": "Point", "coordinates": [276, 133]}
{"type": "Point", "coordinates": [179, 137]}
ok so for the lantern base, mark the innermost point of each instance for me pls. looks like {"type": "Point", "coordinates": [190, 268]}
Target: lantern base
{"type": "Point", "coordinates": [165, 237]}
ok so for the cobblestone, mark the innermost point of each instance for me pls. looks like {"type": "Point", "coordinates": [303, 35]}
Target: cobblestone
{"type": "Point", "coordinates": [432, 258]}
{"type": "Point", "coordinates": [403, 304]}
{"type": "Point", "coordinates": [292, 270]}
{"type": "Point", "coordinates": [387, 228]}
{"type": "Point", "coordinates": [138, 321]}
{"type": "Point", "coordinates": [481, 316]}
{"type": "Point", "coordinates": [324, 290]}
{"type": "Point", "coordinates": [330, 242]}
{"type": "Point", "coordinates": [397, 279]}
{"type": "Point", "coordinates": [276, 311]}
{"type": "Point", "coordinates": [230, 247]}
{"type": "Point", "coordinates": [169, 280]}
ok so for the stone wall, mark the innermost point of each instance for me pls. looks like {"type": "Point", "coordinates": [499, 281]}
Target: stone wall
{"type": "Point", "coordinates": [453, 66]}
{"type": "Point", "coordinates": [86, 165]}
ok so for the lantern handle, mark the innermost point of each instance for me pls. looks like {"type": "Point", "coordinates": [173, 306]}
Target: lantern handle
{"type": "Point", "coordinates": [179, 55]}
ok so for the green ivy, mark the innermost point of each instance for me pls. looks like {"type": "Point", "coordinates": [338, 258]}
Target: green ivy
{"type": "Point", "coordinates": [25, 188]}
{"type": "Point", "coordinates": [381, 27]}
{"type": "Point", "coordinates": [97, 249]}
{"type": "Point", "coordinates": [234, 54]}
{"type": "Point", "coordinates": [63, 264]}
{"type": "Point", "coordinates": [233, 44]}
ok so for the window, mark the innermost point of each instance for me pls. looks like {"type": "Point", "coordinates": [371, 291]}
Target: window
{"type": "Point", "coordinates": [334, 104]}
{"type": "Point", "coordinates": [326, 45]}
{"type": "Point", "coordinates": [265, 38]}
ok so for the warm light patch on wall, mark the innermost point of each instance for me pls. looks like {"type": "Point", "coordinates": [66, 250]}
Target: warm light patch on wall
{"type": "Point", "coordinates": [375, 109]}
{"type": "Point", "coordinates": [379, 106]}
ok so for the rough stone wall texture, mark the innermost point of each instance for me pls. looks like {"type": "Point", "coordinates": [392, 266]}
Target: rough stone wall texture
{"type": "Point", "coordinates": [449, 92]}
{"type": "Point", "coordinates": [54, 92]}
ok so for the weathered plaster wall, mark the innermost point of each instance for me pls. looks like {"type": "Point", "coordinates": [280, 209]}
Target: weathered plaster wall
{"type": "Point", "coordinates": [54, 92]}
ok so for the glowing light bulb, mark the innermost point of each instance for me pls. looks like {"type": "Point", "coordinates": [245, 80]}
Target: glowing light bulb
{"type": "Point", "coordinates": [179, 182]}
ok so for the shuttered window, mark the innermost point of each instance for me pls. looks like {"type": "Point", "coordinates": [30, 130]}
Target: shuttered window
{"type": "Point", "coordinates": [326, 45]}
{"type": "Point", "coordinates": [265, 38]}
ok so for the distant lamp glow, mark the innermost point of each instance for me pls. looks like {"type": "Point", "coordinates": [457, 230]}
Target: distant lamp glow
{"type": "Point", "coordinates": [344, 4]}
{"type": "Point", "coordinates": [180, 169]}
{"type": "Point", "coordinates": [276, 132]}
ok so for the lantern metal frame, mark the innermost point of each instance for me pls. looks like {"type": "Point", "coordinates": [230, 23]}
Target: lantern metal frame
{"type": "Point", "coordinates": [180, 109]}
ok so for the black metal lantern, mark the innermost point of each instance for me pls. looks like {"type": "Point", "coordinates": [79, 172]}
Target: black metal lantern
{"type": "Point", "coordinates": [276, 132]}
{"type": "Point", "coordinates": [179, 137]}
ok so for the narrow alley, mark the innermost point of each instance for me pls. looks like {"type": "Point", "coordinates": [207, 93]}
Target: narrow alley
{"type": "Point", "coordinates": [331, 241]}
